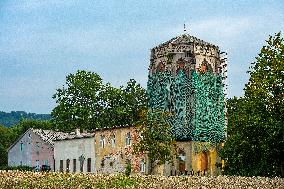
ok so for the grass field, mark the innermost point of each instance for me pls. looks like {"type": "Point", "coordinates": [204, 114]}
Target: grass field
{"type": "Point", "coordinates": [42, 180]}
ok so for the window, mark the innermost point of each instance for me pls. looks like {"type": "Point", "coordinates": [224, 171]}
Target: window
{"type": "Point", "coordinates": [128, 139]}
{"type": "Point", "coordinates": [74, 165]}
{"type": "Point", "coordinates": [61, 166]}
{"type": "Point", "coordinates": [142, 166]}
{"type": "Point", "coordinates": [37, 164]}
{"type": "Point", "coordinates": [21, 146]}
{"type": "Point", "coordinates": [89, 164]}
{"type": "Point", "coordinates": [67, 165]}
{"type": "Point", "coordinates": [112, 141]}
{"type": "Point", "coordinates": [102, 141]}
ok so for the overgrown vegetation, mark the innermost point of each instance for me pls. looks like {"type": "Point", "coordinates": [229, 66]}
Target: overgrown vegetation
{"type": "Point", "coordinates": [156, 139]}
{"type": "Point", "coordinates": [128, 169]}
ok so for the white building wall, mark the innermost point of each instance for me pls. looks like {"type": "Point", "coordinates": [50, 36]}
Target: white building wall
{"type": "Point", "coordinates": [73, 149]}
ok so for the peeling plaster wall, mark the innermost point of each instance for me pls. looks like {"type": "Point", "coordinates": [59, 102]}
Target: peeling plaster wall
{"type": "Point", "coordinates": [113, 159]}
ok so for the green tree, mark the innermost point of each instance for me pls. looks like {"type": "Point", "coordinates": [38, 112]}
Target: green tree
{"type": "Point", "coordinates": [124, 104]}
{"type": "Point", "coordinates": [156, 139]}
{"type": "Point", "coordinates": [79, 103]}
{"type": "Point", "coordinates": [255, 140]}
{"type": "Point", "coordinates": [20, 128]}
{"type": "Point", "coordinates": [5, 141]}
{"type": "Point", "coordinates": [135, 100]}
{"type": "Point", "coordinates": [86, 102]}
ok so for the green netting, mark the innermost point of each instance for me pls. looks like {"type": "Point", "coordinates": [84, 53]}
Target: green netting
{"type": "Point", "coordinates": [209, 107]}
{"type": "Point", "coordinates": [196, 103]}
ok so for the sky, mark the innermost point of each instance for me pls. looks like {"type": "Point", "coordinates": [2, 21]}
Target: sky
{"type": "Point", "coordinates": [42, 41]}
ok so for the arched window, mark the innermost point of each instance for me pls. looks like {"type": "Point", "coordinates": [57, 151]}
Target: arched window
{"type": "Point", "coordinates": [128, 139]}
{"type": "Point", "coordinates": [102, 141]}
{"type": "Point", "coordinates": [142, 166]}
{"type": "Point", "coordinates": [112, 140]}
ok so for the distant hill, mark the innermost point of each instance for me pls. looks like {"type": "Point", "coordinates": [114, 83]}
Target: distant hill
{"type": "Point", "coordinates": [14, 117]}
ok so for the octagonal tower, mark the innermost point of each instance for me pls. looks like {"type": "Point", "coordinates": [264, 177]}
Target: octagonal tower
{"type": "Point", "coordinates": [187, 77]}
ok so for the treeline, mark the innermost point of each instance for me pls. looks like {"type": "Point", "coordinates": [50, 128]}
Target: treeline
{"type": "Point", "coordinates": [14, 117]}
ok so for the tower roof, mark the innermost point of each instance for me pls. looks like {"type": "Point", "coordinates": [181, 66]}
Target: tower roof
{"type": "Point", "coordinates": [185, 39]}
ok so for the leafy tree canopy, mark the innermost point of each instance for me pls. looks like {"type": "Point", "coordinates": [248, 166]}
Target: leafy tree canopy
{"type": "Point", "coordinates": [255, 122]}
{"type": "Point", "coordinates": [86, 102]}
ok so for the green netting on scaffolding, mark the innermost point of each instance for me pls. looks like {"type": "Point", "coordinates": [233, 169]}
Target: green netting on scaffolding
{"type": "Point", "coordinates": [209, 107]}
{"type": "Point", "coordinates": [196, 104]}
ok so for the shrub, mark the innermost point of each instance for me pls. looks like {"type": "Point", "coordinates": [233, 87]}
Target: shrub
{"type": "Point", "coordinates": [20, 168]}
{"type": "Point", "coordinates": [128, 169]}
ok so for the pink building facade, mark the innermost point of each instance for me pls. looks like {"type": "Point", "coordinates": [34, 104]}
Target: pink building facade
{"type": "Point", "coordinates": [35, 148]}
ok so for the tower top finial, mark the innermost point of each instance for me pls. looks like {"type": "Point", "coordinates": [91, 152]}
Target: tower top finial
{"type": "Point", "coordinates": [184, 28]}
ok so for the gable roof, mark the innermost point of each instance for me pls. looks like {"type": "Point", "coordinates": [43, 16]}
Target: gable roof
{"type": "Point", "coordinates": [47, 136]}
